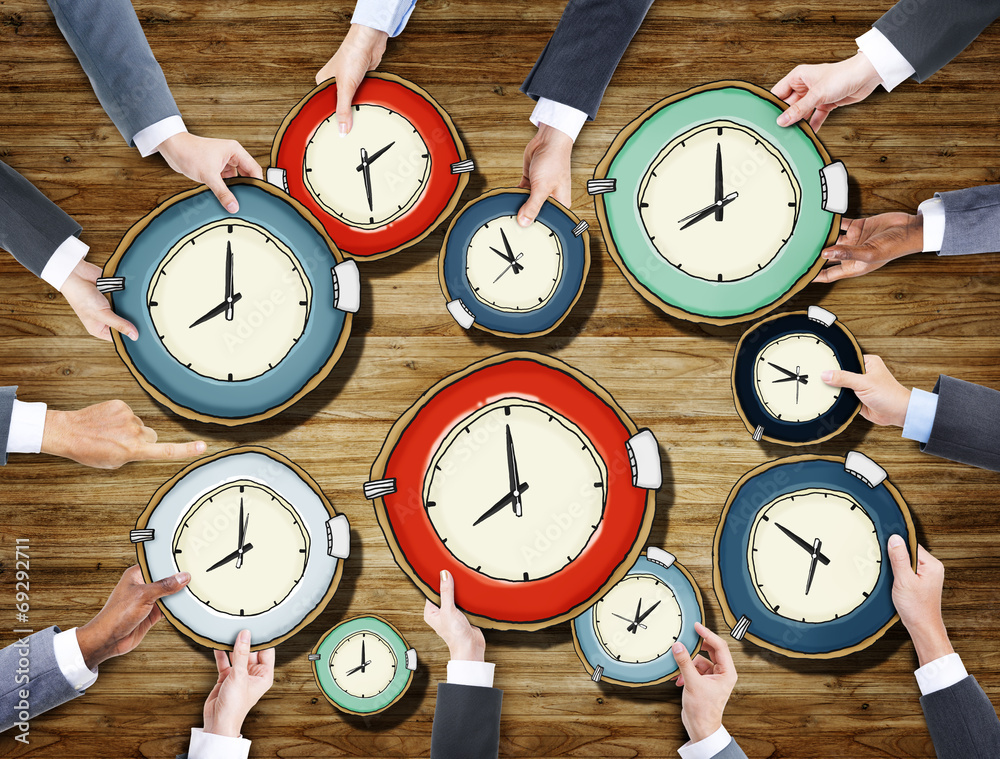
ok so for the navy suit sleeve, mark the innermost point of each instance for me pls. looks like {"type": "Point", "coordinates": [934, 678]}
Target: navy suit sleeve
{"type": "Point", "coordinates": [45, 683]}
{"type": "Point", "coordinates": [932, 32]}
{"type": "Point", "coordinates": [7, 397]}
{"type": "Point", "coordinates": [109, 42]}
{"type": "Point", "coordinates": [962, 721]}
{"type": "Point", "coordinates": [966, 424]}
{"type": "Point", "coordinates": [466, 722]}
{"type": "Point", "coordinates": [579, 60]}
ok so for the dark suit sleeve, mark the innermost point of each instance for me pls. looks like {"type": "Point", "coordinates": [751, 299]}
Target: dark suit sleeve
{"type": "Point", "coordinates": [109, 42]}
{"type": "Point", "coordinates": [732, 751]}
{"type": "Point", "coordinates": [932, 32]}
{"type": "Point", "coordinates": [7, 397]}
{"type": "Point", "coordinates": [466, 722]}
{"type": "Point", "coordinates": [46, 685]}
{"type": "Point", "coordinates": [966, 424]}
{"type": "Point", "coordinates": [577, 63]}
{"type": "Point", "coordinates": [971, 220]}
{"type": "Point", "coordinates": [962, 722]}
{"type": "Point", "coordinates": [31, 225]}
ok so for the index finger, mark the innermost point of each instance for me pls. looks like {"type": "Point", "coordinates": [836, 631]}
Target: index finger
{"type": "Point", "coordinates": [716, 647]}
{"type": "Point", "coordinates": [170, 451]}
{"type": "Point", "coordinates": [783, 89]}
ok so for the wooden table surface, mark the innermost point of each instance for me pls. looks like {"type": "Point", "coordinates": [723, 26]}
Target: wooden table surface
{"type": "Point", "coordinates": [236, 68]}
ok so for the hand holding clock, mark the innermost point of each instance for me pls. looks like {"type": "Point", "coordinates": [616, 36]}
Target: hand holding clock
{"type": "Point", "coordinates": [211, 162]}
{"type": "Point", "coordinates": [869, 244]}
{"type": "Point", "coordinates": [91, 306]}
{"type": "Point", "coordinates": [813, 91]}
{"type": "Point", "coordinates": [244, 677]}
{"type": "Point", "coordinates": [360, 52]}
{"type": "Point", "coordinates": [708, 682]}
{"type": "Point", "coordinates": [465, 642]}
{"type": "Point", "coordinates": [546, 172]}
{"type": "Point", "coordinates": [917, 598]}
{"type": "Point", "coordinates": [884, 401]}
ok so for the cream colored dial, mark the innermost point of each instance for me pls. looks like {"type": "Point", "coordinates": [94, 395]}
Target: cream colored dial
{"type": "Point", "coordinates": [539, 525]}
{"type": "Point", "coordinates": [363, 664]}
{"type": "Point", "coordinates": [638, 620]}
{"type": "Point", "coordinates": [374, 174]}
{"type": "Point", "coordinates": [229, 300]}
{"type": "Point", "coordinates": [814, 555]}
{"type": "Point", "coordinates": [787, 377]}
{"type": "Point", "coordinates": [248, 577]}
{"type": "Point", "coordinates": [513, 268]}
{"type": "Point", "coordinates": [719, 231]}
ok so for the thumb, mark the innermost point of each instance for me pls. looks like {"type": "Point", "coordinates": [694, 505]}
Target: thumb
{"type": "Point", "coordinates": [840, 378]}
{"type": "Point", "coordinates": [447, 591]}
{"type": "Point", "coordinates": [167, 586]}
{"type": "Point", "coordinates": [799, 110]}
{"type": "Point", "coordinates": [899, 557]}
{"type": "Point", "coordinates": [688, 671]}
{"type": "Point", "coordinates": [241, 653]}
{"type": "Point", "coordinates": [345, 94]}
{"type": "Point", "coordinates": [532, 207]}
{"type": "Point", "coordinates": [221, 190]}
{"type": "Point", "coordinates": [117, 323]}
{"type": "Point", "coordinates": [848, 253]}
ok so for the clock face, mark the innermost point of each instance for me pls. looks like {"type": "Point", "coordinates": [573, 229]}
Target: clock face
{"type": "Point", "coordinates": [513, 268]}
{"type": "Point", "coordinates": [490, 522]}
{"type": "Point", "coordinates": [244, 568]}
{"type": "Point", "coordinates": [707, 189]}
{"type": "Point", "coordinates": [363, 664]}
{"type": "Point", "coordinates": [372, 175]}
{"type": "Point", "coordinates": [814, 555]}
{"type": "Point", "coordinates": [502, 474]}
{"type": "Point", "coordinates": [787, 375]}
{"type": "Point", "coordinates": [639, 619]}
{"type": "Point", "coordinates": [229, 300]}
{"type": "Point", "coordinates": [712, 212]}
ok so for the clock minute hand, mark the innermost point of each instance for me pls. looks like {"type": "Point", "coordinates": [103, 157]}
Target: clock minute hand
{"type": "Point", "coordinates": [801, 543]}
{"type": "Point", "coordinates": [217, 310]}
{"type": "Point", "coordinates": [718, 180]}
{"type": "Point", "coordinates": [708, 210]}
{"type": "Point", "coordinates": [375, 155]}
{"type": "Point", "coordinates": [363, 665]}
{"type": "Point", "coordinates": [812, 564]}
{"type": "Point", "coordinates": [368, 177]}
{"type": "Point", "coordinates": [230, 557]}
{"type": "Point", "coordinates": [499, 505]}
{"type": "Point", "coordinates": [513, 479]}
{"type": "Point", "coordinates": [647, 613]}
{"type": "Point", "coordinates": [510, 253]}
{"type": "Point", "coordinates": [246, 524]}
{"type": "Point", "coordinates": [229, 281]}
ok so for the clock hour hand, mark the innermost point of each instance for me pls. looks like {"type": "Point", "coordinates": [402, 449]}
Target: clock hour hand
{"type": "Point", "coordinates": [230, 557]}
{"type": "Point", "coordinates": [812, 564]}
{"type": "Point", "coordinates": [639, 619]}
{"type": "Point", "coordinates": [499, 505]}
{"type": "Point", "coordinates": [376, 154]}
{"type": "Point", "coordinates": [362, 667]}
{"type": "Point", "coordinates": [801, 543]}
{"type": "Point", "coordinates": [507, 258]}
{"type": "Point", "coordinates": [803, 378]}
{"type": "Point", "coordinates": [222, 307]}
{"type": "Point", "coordinates": [229, 282]}
{"type": "Point", "coordinates": [708, 210]}
{"type": "Point", "coordinates": [368, 177]}
{"type": "Point", "coordinates": [718, 180]}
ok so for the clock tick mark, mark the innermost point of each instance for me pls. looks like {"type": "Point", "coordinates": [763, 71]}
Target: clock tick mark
{"type": "Point", "coordinates": [526, 576]}
{"type": "Point", "coordinates": [431, 504]}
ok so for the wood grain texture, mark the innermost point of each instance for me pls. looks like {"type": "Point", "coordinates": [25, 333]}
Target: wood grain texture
{"type": "Point", "coordinates": [236, 68]}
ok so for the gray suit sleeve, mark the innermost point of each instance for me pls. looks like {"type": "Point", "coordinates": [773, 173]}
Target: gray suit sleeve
{"type": "Point", "coordinates": [31, 225]}
{"type": "Point", "coordinates": [971, 220]}
{"type": "Point", "coordinates": [966, 424]}
{"type": "Point", "coordinates": [466, 722]}
{"type": "Point", "coordinates": [109, 42]}
{"type": "Point", "coordinates": [732, 751]}
{"type": "Point", "coordinates": [962, 721]}
{"type": "Point", "coordinates": [44, 682]}
{"type": "Point", "coordinates": [932, 32]}
{"type": "Point", "coordinates": [7, 397]}
{"type": "Point", "coordinates": [577, 63]}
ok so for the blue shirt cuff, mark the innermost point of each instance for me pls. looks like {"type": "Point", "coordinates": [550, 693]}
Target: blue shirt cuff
{"type": "Point", "coordinates": [920, 416]}
{"type": "Point", "coordinates": [389, 17]}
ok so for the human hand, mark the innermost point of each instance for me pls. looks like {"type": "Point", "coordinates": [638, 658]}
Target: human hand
{"type": "Point", "coordinates": [883, 400]}
{"type": "Point", "coordinates": [917, 598]}
{"type": "Point", "coordinates": [106, 436]}
{"type": "Point", "coordinates": [209, 161]}
{"type": "Point", "coordinates": [546, 171]}
{"type": "Point", "coordinates": [818, 89]}
{"type": "Point", "coordinates": [465, 642]}
{"type": "Point", "coordinates": [869, 244]}
{"type": "Point", "coordinates": [92, 308]}
{"type": "Point", "coordinates": [126, 617]}
{"type": "Point", "coordinates": [360, 52]}
{"type": "Point", "coordinates": [244, 677]}
{"type": "Point", "coordinates": [707, 680]}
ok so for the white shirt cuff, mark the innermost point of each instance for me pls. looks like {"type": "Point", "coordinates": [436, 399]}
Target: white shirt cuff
{"type": "Point", "coordinates": [932, 210]}
{"type": "Point", "coordinates": [388, 17]}
{"type": "Point", "coordinates": [27, 424]}
{"type": "Point", "coordinates": [477, 673]}
{"type": "Point", "coordinates": [69, 657]}
{"type": "Point", "coordinates": [940, 674]}
{"type": "Point", "coordinates": [889, 63]}
{"type": "Point", "coordinates": [62, 262]}
{"type": "Point", "coordinates": [149, 139]}
{"type": "Point", "coordinates": [211, 746]}
{"type": "Point", "coordinates": [920, 413]}
{"type": "Point", "coordinates": [707, 748]}
{"type": "Point", "coordinates": [565, 118]}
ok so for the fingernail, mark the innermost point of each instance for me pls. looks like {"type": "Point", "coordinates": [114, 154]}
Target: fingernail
{"type": "Point", "coordinates": [678, 648]}
{"type": "Point", "coordinates": [182, 577]}
{"type": "Point", "coordinates": [445, 576]}
{"type": "Point", "coordinates": [826, 376]}
{"type": "Point", "coordinates": [827, 254]}
{"type": "Point", "coordinates": [200, 447]}
{"type": "Point", "coordinates": [343, 130]}
{"type": "Point", "coordinates": [895, 541]}
{"type": "Point", "coordinates": [783, 119]}
{"type": "Point", "coordinates": [133, 336]}
{"type": "Point", "coordinates": [233, 207]}
{"type": "Point", "coordinates": [244, 636]}
{"type": "Point", "coordinates": [524, 221]}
